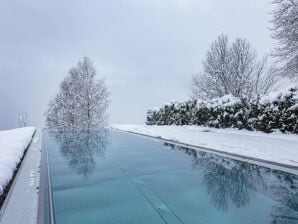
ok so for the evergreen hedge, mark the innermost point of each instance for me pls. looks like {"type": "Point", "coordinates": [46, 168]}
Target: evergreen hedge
{"type": "Point", "coordinates": [277, 111]}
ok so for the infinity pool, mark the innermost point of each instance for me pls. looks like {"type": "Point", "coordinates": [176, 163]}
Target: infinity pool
{"type": "Point", "coordinates": [116, 177]}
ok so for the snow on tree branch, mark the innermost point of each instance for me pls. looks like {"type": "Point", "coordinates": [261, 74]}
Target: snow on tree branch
{"type": "Point", "coordinates": [232, 69]}
{"type": "Point", "coordinates": [285, 31]}
{"type": "Point", "coordinates": [81, 102]}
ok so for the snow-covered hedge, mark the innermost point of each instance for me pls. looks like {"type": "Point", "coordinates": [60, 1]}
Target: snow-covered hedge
{"type": "Point", "coordinates": [276, 111]}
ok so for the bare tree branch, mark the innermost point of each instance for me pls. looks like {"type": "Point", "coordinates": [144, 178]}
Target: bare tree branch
{"type": "Point", "coordinates": [285, 31]}
{"type": "Point", "coordinates": [231, 69]}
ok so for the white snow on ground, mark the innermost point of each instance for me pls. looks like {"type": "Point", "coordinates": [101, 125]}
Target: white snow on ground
{"type": "Point", "coordinates": [275, 147]}
{"type": "Point", "coordinates": [12, 146]}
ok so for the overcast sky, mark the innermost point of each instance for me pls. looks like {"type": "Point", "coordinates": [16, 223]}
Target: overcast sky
{"type": "Point", "coordinates": [147, 50]}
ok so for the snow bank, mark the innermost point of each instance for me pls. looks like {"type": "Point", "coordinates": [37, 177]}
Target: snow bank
{"type": "Point", "coordinates": [12, 146]}
{"type": "Point", "coordinates": [222, 102]}
{"type": "Point", "coordinates": [275, 147]}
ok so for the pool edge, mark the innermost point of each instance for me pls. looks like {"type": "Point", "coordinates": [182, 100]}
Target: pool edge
{"type": "Point", "coordinates": [252, 160]}
{"type": "Point", "coordinates": [25, 187]}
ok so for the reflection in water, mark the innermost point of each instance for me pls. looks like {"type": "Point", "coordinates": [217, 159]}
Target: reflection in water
{"type": "Point", "coordinates": [228, 181]}
{"type": "Point", "coordinates": [80, 148]}
{"type": "Point", "coordinates": [231, 182]}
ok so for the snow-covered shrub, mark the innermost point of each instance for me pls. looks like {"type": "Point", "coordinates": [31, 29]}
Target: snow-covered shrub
{"type": "Point", "coordinates": [276, 111]}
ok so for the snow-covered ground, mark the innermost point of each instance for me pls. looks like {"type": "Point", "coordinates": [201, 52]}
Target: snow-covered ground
{"type": "Point", "coordinates": [275, 147]}
{"type": "Point", "coordinates": [12, 146]}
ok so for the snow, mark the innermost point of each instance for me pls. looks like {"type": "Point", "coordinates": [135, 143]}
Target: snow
{"type": "Point", "coordinates": [275, 147]}
{"type": "Point", "coordinates": [12, 145]}
{"type": "Point", "coordinates": [283, 83]}
{"type": "Point", "coordinates": [294, 107]}
{"type": "Point", "coordinates": [280, 95]}
{"type": "Point", "coordinates": [225, 101]}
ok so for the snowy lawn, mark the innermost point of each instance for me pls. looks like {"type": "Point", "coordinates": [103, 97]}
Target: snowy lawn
{"type": "Point", "coordinates": [274, 147]}
{"type": "Point", "coordinates": [12, 146]}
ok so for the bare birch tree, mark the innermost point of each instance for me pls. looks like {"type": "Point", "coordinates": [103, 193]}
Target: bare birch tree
{"type": "Point", "coordinates": [81, 102]}
{"type": "Point", "coordinates": [23, 119]}
{"type": "Point", "coordinates": [232, 69]}
{"type": "Point", "coordinates": [285, 30]}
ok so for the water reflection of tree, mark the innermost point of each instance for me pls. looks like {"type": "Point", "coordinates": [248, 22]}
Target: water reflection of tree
{"type": "Point", "coordinates": [286, 193]}
{"type": "Point", "coordinates": [284, 215]}
{"type": "Point", "coordinates": [228, 181]}
{"type": "Point", "coordinates": [80, 148]}
{"type": "Point", "coordinates": [233, 182]}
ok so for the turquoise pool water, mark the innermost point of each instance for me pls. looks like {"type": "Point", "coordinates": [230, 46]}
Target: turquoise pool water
{"type": "Point", "coordinates": [121, 178]}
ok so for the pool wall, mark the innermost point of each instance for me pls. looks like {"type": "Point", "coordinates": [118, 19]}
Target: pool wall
{"type": "Point", "coordinates": [45, 205]}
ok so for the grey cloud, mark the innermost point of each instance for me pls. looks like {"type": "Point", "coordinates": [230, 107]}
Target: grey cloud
{"type": "Point", "coordinates": [146, 50]}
